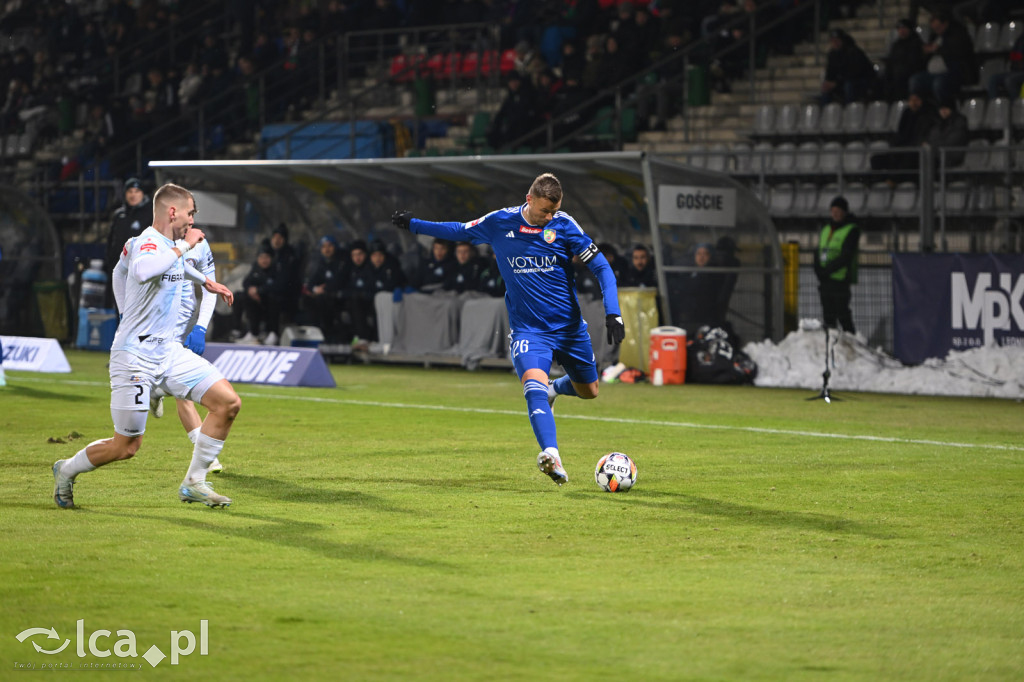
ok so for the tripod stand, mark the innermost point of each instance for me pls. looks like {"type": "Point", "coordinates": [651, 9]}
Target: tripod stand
{"type": "Point", "coordinates": [825, 395]}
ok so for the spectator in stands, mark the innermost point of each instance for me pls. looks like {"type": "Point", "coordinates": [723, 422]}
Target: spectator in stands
{"type": "Point", "coordinates": [593, 77]}
{"type": "Point", "coordinates": [134, 216]}
{"type": "Point", "coordinates": [491, 282]}
{"type": "Point", "coordinates": [1009, 82]}
{"type": "Point", "coordinates": [615, 262]}
{"type": "Point", "coordinates": [387, 272]}
{"type": "Point", "coordinates": [517, 114]}
{"type": "Point", "coordinates": [573, 62]}
{"type": "Point", "coordinates": [99, 132]}
{"type": "Point", "coordinates": [630, 38]}
{"type": "Point", "coordinates": [438, 268]}
{"type": "Point", "coordinates": [323, 288]}
{"type": "Point", "coordinates": [699, 300]}
{"type": "Point", "coordinates": [190, 85]}
{"type": "Point", "coordinates": [725, 256]}
{"type": "Point", "coordinates": [261, 298]}
{"type": "Point", "coordinates": [951, 60]}
{"type": "Point", "coordinates": [613, 65]}
{"type": "Point", "coordinates": [849, 74]}
{"type": "Point", "coordinates": [905, 58]}
{"type": "Point", "coordinates": [359, 293]}
{"type": "Point", "coordinates": [949, 133]}
{"type": "Point", "coordinates": [835, 264]}
{"type": "Point", "coordinates": [287, 273]}
{"type": "Point", "coordinates": [640, 272]}
{"type": "Point", "coordinates": [915, 123]}
{"type": "Point", "coordinates": [160, 100]}
{"type": "Point", "coordinates": [465, 276]}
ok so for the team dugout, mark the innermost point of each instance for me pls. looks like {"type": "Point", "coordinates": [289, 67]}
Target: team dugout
{"type": "Point", "coordinates": [714, 249]}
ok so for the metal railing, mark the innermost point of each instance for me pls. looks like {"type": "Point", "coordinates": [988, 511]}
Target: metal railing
{"type": "Point", "coordinates": [670, 72]}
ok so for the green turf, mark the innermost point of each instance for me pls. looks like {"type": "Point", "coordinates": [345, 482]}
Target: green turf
{"type": "Point", "coordinates": [373, 537]}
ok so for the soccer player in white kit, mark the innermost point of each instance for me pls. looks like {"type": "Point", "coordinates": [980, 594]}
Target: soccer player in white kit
{"type": "Point", "coordinates": [144, 354]}
{"type": "Point", "coordinates": [193, 321]}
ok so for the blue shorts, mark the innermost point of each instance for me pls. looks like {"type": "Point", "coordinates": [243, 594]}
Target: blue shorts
{"type": "Point", "coordinates": [537, 350]}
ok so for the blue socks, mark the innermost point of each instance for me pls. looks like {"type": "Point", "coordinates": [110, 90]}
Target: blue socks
{"type": "Point", "coordinates": [563, 386]}
{"type": "Point", "coordinates": [541, 418]}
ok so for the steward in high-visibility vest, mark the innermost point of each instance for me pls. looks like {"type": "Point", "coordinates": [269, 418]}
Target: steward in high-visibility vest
{"type": "Point", "coordinates": [835, 264]}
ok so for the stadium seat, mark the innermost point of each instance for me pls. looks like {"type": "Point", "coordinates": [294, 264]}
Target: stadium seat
{"type": "Point", "coordinates": [831, 119]}
{"type": "Point", "coordinates": [983, 199]}
{"type": "Point", "coordinates": [828, 161]}
{"type": "Point", "coordinates": [762, 158]}
{"type": "Point", "coordinates": [855, 157]}
{"type": "Point", "coordinates": [780, 199]}
{"type": "Point", "coordinates": [987, 38]}
{"type": "Point", "coordinates": [478, 130]}
{"type": "Point", "coordinates": [856, 194]}
{"type": "Point", "coordinates": [469, 66]}
{"type": "Point", "coordinates": [697, 156]}
{"type": "Point", "coordinates": [825, 197]}
{"type": "Point", "coordinates": [954, 199]}
{"type": "Point", "coordinates": [718, 158]}
{"type": "Point", "coordinates": [904, 199]}
{"type": "Point", "coordinates": [997, 114]}
{"type": "Point", "coordinates": [742, 161]}
{"type": "Point", "coordinates": [784, 158]}
{"type": "Point", "coordinates": [974, 111]}
{"type": "Point", "coordinates": [807, 157]}
{"type": "Point", "coordinates": [988, 68]}
{"type": "Point", "coordinates": [764, 120]}
{"type": "Point", "coordinates": [853, 118]}
{"type": "Point", "coordinates": [507, 64]}
{"type": "Point", "coordinates": [879, 199]}
{"type": "Point", "coordinates": [999, 157]}
{"type": "Point", "coordinates": [895, 112]}
{"type": "Point", "coordinates": [786, 119]}
{"type": "Point", "coordinates": [978, 156]}
{"type": "Point", "coordinates": [805, 201]}
{"type": "Point", "coordinates": [876, 118]}
{"type": "Point", "coordinates": [1017, 114]}
{"type": "Point", "coordinates": [1011, 31]}
{"type": "Point", "coordinates": [809, 119]}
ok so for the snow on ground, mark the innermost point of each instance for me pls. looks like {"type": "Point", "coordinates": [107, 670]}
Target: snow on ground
{"type": "Point", "coordinates": [798, 361]}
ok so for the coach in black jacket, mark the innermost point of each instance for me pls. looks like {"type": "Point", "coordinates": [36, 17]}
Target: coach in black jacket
{"type": "Point", "coordinates": [128, 221]}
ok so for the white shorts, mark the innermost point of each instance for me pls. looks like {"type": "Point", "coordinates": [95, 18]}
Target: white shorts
{"type": "Point", "coordinates": [183, 374]}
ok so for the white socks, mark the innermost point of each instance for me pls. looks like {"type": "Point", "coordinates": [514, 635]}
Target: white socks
{"type": "Point", "coordinates": [203, 454]}
{"type": "Point", "coordinates": [194, 434]}
{"type": "Point", "coordinates": [79, 464]}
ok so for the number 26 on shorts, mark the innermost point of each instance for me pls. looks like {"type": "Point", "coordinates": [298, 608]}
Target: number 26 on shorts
{"type": "Point", "coordinates": [521, 346]}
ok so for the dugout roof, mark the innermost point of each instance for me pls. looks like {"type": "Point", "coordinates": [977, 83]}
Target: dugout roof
{"type": "Point", "coordinates": [609, 194]}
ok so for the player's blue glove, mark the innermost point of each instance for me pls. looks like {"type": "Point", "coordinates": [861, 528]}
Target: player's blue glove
{"type": "Point", "coordinates": [196, 340]}
{"type": "Point", "coordinates": [401, 219]}
{"type": "Point", "coordinates": [616, 330]}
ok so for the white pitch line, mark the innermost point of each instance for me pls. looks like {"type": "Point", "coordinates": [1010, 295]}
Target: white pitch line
{"type": "Point", "coordinates": [610, 420]}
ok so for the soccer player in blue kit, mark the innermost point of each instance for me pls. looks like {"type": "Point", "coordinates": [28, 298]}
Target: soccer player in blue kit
{"type": "Point", "coordinates": [534, 245]}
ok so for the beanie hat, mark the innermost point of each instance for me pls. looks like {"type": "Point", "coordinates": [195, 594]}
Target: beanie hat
{"type": "Point", "coordinates": [132, 183]}
{"type": "Point", "coordinates": [841, 203]}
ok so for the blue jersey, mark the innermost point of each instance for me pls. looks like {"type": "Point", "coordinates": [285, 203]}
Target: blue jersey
{"type": "Point", "coordinates": [535, 262]}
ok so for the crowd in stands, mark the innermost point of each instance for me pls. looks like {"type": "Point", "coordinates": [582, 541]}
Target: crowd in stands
{"type": "Point", "coordinates": [335, 287]}
{"type": "Point", "coordinates": [939, 67]}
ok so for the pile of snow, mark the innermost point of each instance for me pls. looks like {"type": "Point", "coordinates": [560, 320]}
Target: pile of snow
{"type": "Point", "coordinates": [798, 361]}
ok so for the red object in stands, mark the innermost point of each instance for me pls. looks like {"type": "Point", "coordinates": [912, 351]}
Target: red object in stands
{"type": "Point", "coordinates": [508, 62]}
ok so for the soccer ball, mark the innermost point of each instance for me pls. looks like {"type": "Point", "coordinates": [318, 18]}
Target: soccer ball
{"type": "Point", "coordinates": [615, 473]}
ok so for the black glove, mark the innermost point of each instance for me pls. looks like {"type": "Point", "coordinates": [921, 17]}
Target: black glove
{"type": "Point", "coordinates": [401, 219]}
{"type": "Point", "coordinates": [616, 330]}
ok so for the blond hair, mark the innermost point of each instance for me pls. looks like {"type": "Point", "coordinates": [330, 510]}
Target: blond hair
{"type": "Point", "coordinates": [171, 194]}
{"type": "Point", "coordinates": [546, 186]}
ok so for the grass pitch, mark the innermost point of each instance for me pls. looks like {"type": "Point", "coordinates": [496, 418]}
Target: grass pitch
{"type": "Point", "coordinates": [397, 528]}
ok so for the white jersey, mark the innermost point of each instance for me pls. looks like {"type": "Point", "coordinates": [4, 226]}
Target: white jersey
{"type": "Point", "coordinates": [201, 258]}
{"type": "Point", "coordinates": [149, 309]}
